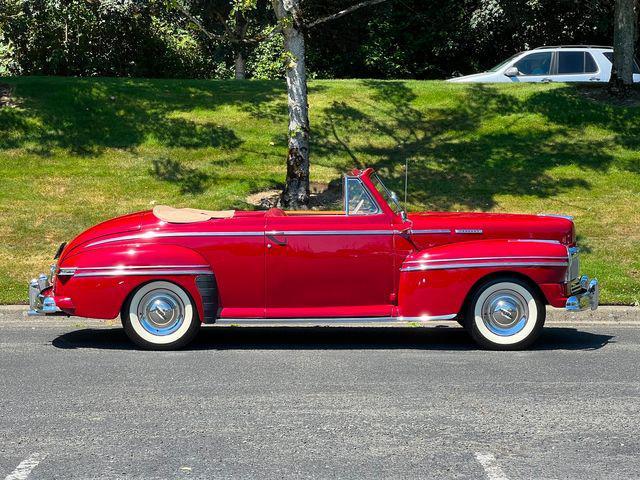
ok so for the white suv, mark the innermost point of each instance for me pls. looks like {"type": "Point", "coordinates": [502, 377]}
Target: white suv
{"type": "Point", "coordinates": [566, 63]}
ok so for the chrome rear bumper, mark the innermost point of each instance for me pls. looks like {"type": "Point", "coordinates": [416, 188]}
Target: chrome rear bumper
{"type": "Point", "coordinates": [587, 298]}
{"type": "Point", "coordinates": [39, 303]}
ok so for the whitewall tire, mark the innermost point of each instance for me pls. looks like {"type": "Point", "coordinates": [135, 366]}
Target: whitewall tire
{"type": "Point", "coordinates": [505, 313]}
{"type": "Point", "coordinates": [160, 316]}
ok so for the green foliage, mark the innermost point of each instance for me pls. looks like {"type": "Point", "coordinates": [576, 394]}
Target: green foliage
{"type": "Point", "coordinates": [395, 39]}
{"type": "Point", "coordinates": [267, 60]}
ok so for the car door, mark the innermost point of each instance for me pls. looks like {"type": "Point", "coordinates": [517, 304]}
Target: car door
{"type": "Point", "coordinates": [534, 67]}
{"type": "Point", "coordinates": [331, 265]}
{"type": "Point", "coordinates": [576, 66]}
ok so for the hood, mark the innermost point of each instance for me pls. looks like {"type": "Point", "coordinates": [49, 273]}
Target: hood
{"type": "Point", "coordinates": [477, 226]}
{"type": "Point", "coordinates": [471, 78]}
{"type": "Point", "coordinates": [125, 223]}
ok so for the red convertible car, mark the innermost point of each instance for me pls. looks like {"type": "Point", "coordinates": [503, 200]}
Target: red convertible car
{"type": "Point", "coordinates": [168, 270]}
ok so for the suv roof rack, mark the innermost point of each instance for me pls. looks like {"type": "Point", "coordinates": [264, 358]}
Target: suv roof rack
{"type": "Point", "coordinates": [573, 46]}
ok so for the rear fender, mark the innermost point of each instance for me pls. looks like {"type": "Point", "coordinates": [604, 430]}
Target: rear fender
{"type": "Point", "coordinates": [95, 282]}
{"type": "Point", "coordinates": [435, 282]}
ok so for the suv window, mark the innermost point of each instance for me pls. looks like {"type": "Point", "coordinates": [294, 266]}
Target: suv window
{"type": "Point", "coordinates": [534, 64]}
{"type": "Point", "coordinates": [609, 56]}
{"type": "Point", "coordinates": [590, 65]}
{"type": "Point", "coordinates": [576, 62]}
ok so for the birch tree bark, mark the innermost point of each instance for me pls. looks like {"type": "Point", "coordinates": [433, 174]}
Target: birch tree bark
{"type": "Point", "coordinates": [624, 36]}
{"type": "Point", "coordinates": [296, 191]}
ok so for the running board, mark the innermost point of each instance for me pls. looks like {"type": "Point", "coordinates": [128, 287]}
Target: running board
{"type": "Point", "coordinates": [335, 321]}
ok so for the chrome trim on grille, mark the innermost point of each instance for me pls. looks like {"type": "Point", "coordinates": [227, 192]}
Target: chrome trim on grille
{"type": "Point", "coordinates": [446, 266]}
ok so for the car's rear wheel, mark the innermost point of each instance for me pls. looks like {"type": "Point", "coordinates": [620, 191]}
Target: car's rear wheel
{"type": "Point", "coordinates": [160, 316]}
{"type": "Point", "coordinates": [505, 313]}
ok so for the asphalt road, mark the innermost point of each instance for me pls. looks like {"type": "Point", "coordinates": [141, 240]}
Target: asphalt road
{"type": "Point", "coordinates": [77, 401]}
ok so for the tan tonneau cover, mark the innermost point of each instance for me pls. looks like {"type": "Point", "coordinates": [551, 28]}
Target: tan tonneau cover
{"type": "Point", "coordinates": [188, 215]}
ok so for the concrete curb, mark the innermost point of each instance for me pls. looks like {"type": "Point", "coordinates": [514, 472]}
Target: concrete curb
{"type": "Point", "coordinates": [604, 315]}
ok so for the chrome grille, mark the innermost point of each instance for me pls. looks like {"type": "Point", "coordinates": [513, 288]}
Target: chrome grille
{"type": "Point", "coordinates": [573, 270]}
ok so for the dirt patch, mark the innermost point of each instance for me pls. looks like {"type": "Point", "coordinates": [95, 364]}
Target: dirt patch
{"type": "Point", "coordinates": [6, 96]}
{"type": "Point", "coordinates": [323, 196]}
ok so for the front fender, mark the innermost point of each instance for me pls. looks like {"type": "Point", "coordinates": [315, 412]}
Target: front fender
{"type": "Point", "coordinates": [95, 282]}
{"type": "Point", "coordinates": [435, 282]}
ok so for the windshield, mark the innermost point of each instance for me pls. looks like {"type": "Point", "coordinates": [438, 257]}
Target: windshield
{"type": "Point", "coordinates": [386, 194]}
{"type": "Point", "coordinates": [502, 64]}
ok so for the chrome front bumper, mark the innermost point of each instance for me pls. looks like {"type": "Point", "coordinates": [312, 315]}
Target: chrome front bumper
{"type": "Point", "coordinates": [39, 303]}
{"type": "Point", "coordinates": [587, 298]}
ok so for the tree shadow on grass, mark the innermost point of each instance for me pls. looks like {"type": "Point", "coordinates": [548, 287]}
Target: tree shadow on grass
{"type": "Point", "coordinates": [86, 116]}
{"type": "Point", "coordinates": [455, 160]}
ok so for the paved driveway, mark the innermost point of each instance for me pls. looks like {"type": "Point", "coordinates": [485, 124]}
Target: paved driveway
{"type": "Point", "coordinates": [79, 402]}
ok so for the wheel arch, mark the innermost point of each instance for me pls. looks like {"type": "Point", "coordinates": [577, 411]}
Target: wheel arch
{"type": "Point", "coordinates": [501, 274]}
{"type": "Point", "coordinates": [437, 282]}
{"type": "Point", "coordinates": [105, 278]}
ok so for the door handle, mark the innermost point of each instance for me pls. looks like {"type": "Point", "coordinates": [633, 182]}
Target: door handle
{"type": "Point", "coordinates": [594, 79]}
{"type": "Point", "coordinates": [546, 80]}
{"type": "Point", "coordinates": [272, 236]}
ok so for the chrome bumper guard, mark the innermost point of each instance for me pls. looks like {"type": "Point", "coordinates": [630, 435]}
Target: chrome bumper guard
{"type": "Point", "coordinates": [587, 298]}
{"type": "Point", "coordinates": [39, 304]}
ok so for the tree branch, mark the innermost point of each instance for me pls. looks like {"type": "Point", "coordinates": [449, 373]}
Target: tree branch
{"type": "Point", "coordinates": [198, 23]}
{"type": "Point", "coordinates": [344, 12]}
{"type": "Point", "coordinates": [229, 36]}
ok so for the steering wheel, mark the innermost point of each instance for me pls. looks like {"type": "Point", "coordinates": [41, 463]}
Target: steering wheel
{"type": "Point", "coordinates": [358, 207]}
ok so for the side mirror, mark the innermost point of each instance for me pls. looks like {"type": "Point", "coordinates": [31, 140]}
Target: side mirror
{"type": "Point", "coordinates": [511, 72]}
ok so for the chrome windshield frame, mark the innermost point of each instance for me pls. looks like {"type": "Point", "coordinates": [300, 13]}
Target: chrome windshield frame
{"type": "Point", "coordinates": [402, 211]}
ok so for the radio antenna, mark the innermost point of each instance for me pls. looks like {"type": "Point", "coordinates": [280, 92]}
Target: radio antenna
{"type": "Point", "coordinates": [406, 180]}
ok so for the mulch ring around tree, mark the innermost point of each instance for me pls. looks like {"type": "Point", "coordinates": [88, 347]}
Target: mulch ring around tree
{"type": "Point", "coordinates": [6, 96]}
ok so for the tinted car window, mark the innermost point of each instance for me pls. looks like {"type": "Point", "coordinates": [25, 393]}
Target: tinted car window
{"type": "Point", "coordinates": [570, 62]}
{"type": "Point", "coordinates": [534, 64]}
{"type": "Point", "coordinates": [609, 56]}
{"type": "Point", "coordinates": [590, 65]}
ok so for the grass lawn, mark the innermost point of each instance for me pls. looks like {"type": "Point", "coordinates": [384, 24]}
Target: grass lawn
{"type": "Point", "coordinates": [74, 152]}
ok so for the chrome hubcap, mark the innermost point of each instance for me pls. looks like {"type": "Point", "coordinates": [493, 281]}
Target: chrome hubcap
{"type": "Point", "coordinates": [161, 312]}
{"type": "Point", "coordinates": [505, 312]}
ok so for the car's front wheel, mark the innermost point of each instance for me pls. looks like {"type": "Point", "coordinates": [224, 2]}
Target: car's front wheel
{"type": "Point", "coordinates": [160, 316]}
{"type": "Point", "coordinates": [505, 314]}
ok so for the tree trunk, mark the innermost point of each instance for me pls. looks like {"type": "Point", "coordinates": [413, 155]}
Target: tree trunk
{"type": "Point", "coordinates": [240, 67]}
{"type": "Point", "coordinates": [623, 46]}
{"type": "Point", "coordinates": [296, 191]}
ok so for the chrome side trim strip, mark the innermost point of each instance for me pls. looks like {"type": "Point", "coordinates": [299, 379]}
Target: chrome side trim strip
{"type": "Point", "coordinates": [433, 231]}
{"type": "Point", "coordinates": [521, 257]}
{"type": "Point", "coordinates": [133, 267]}
{"type": "Point", "coordinates": [329, 320]}
{"type": "Point", "coordinates": [534, 240]}
{"type": "Point", "coordinates": [469, 230]}
{"type": "Point", "coordinates": [152, 235]}
{"type": "Point", "coordinates": [447, 266]}
{"type": "Point", "coordinates": [428, 318]}
{"type": "Point", "coordinates": [146, 236]}
{"type": "Point", "coordinates": [330, 232]}
{"type": "Point", "coordinates": [117, 273]}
